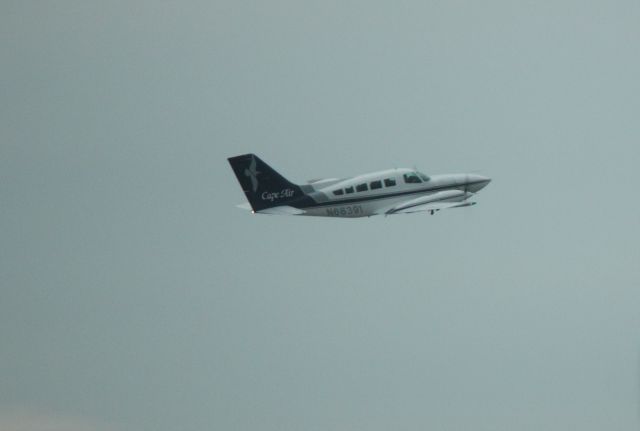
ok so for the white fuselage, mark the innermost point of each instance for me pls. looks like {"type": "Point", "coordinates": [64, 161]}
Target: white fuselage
{"type": "Point", "coordinates": [394, 191]}
{"type": "Point", "coordinates": [381, 192]}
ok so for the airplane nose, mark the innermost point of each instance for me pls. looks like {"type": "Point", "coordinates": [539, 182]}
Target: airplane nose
{"type": "Point", "coordinates": [477, 182]}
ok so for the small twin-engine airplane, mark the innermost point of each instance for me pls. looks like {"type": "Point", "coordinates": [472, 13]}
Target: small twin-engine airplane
{"type": "Point", "coordinates": [394, 191]}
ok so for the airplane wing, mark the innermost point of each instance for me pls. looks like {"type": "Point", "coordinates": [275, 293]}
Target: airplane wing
{"type": "Point", "coordinates": [432, 202]}
{"type": "Point", "coordinates": [433, 207]}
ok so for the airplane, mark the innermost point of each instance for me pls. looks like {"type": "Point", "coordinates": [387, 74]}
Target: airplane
{"type": "Point", "coordinates": [393, 191]}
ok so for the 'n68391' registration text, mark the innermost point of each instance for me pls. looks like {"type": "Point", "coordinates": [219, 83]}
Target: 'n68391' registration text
{"type": "Point", "coordinates": [345, 211]}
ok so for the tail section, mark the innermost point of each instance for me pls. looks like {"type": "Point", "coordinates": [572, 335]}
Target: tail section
{"type": "Point", "coordinates": [263, 186]}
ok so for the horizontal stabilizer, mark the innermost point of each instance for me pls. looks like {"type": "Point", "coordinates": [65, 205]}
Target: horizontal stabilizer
{"type": "Point", "coordinates": [281, 210]}
{"type": "Point", "coordinates": [320, 183]}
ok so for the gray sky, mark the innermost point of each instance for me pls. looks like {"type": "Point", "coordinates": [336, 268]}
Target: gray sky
{"type": "Point", "coordinates": [135, 296]}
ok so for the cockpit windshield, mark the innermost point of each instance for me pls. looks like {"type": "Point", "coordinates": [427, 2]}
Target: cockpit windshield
{"type": "Point", "coordinates": [412, 178]}
{"type": "Point", "coordinates": [424, 177]}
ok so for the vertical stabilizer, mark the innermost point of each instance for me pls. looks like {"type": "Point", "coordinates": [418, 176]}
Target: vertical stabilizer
{"type": "Point", "coordinates": [263, 186]}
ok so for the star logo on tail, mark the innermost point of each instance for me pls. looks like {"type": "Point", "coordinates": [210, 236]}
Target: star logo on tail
{"type": "Point", "coordinates": [252, 173]}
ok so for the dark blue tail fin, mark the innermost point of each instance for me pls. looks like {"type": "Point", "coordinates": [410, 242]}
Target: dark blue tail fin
{"type": "Point", "coordinates": [263, 186]}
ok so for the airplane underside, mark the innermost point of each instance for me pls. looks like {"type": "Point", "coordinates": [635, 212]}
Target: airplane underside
{"type": "Point", "coordinates": [384, 206]}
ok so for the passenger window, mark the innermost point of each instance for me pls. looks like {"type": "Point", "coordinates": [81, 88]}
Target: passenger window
{"type": "Point", "coordinates": [389, 182]}
{"type": "Point", "coordinates": [349, 189]}
{"type": "Point", "coordinates": [338, 192]}
{"type": "Point", "coordinates": [412, 178]}
{"type": "Point", "coordinates": [375, 185]}
{"type": "Point", "coordinates": [362, 187]}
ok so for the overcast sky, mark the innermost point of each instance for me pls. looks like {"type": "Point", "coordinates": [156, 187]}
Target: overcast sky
{"type": "Point", "coordinates": [136, 296]}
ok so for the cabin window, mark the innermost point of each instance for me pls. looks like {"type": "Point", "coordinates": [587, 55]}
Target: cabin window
{"type": "Point", "coordinates": [389, 182]}
{"type": "Point", "coordinates": [362, 187]}
{"type": "Point", "coordinates": [412, 178]}
{"type": "Point", "coordinates": [375, 185]}
{"type": "Point", "coordinates": [348, 189]}
{"type": "Point", "coordinates": [338, 192]}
